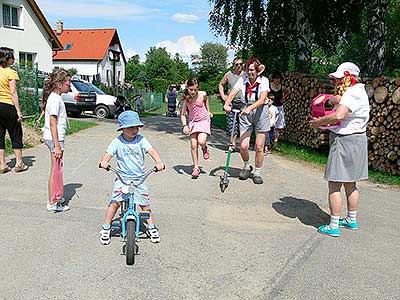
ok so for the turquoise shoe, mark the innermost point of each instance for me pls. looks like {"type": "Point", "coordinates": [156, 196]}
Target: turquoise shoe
{"type": "Point", "coordinates": [326, 229]}
{"type": "Point", "coordinates": [345, 224]}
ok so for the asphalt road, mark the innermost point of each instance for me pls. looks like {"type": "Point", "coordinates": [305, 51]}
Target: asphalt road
{"type": "Point", "coordinates": [252, 242]}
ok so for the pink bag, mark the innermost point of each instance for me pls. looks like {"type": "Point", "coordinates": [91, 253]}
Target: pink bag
{"type": "Point", "coordinates": [58, 187]}
{"type": "Point", "coordinates": [319, 110]}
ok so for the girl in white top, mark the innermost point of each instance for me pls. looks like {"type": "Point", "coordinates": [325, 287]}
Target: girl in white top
{"type": "Point", "coordinates": [54, 130]}
{"type": "Point", "coordinates": [348, 153]}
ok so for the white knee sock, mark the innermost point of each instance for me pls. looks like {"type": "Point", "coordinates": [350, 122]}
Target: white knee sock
{"type": "Point", "coordinates": [351, 216]}
{"type": "Point", "coordinates": [334, 223]}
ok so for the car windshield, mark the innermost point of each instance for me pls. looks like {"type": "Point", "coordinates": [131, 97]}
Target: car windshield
{"type": "Point", "coordinates": [87, 87]}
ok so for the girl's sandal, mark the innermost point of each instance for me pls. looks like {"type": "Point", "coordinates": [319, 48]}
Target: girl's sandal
{"type": "Point", "coordinates": [5, 169]}
{"type": "Point", "coordinates": [206, 153]}
{"type": "Point", "coordinates": [195, 173]}
{"type": "Point", "coordinates": [21, 168]}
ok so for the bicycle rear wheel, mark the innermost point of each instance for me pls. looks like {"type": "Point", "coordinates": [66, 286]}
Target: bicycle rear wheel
{"type": "Point", "coordinates": [130, 242]}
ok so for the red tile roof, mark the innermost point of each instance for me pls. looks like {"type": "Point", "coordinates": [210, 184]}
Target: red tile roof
{"type": "Point", "coordinates": [87, 44]}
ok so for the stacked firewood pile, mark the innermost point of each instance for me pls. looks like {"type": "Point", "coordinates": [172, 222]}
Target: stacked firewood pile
{"type": "Point", "coordinates": [383, 127]}
{"type": "Point", "coordinates": [302, 89]}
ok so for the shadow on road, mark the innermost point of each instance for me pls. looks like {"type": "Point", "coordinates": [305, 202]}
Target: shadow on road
{"type": "Point", "coordinates": [233, 172]}
{"type": "Point", "coordinates": [70, 190]}
{"type": "Point", "coordinates": [184, 169]}
{"type": "Point", "coordinates": [28, 160]}
{"type": "Point", "coordinates": [218, 138]}
{"type": "Point", "coordinates": [306, 211]}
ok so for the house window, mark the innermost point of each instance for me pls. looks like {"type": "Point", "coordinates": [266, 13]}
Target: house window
{"type": "Point", "coordinates": [26, 59]}
{"type": "Point", "coordinates": [68, 46]}
{"type": "Point", "coordinates": [11, 16]}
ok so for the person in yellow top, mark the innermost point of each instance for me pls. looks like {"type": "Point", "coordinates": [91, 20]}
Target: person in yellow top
{"type": "Point", "coordinates": [10, 112]}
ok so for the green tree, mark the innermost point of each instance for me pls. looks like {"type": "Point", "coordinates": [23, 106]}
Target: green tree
{"type": "Point", "coordinates": [158, 71]}
{"type": "Point", "coordinates": [135, 72]}
{"type": "Point", "coordinates": [376, 43]}
{"type": "Point", "coordinates": [181, 70]}
{"type": "Point", "coordinates": [285, 30]}
{"type": "Point", "coordinates": [211, 61]}
{"type": "Point", "coordinates": [159, 64]}
{"type": "Point", "coordinates": [393, 39]}
{"type": "Point", "coordinates": [135, 59]}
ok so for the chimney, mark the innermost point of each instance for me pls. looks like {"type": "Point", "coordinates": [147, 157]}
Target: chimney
{"type": "Point", "coordinates": [59, 27]}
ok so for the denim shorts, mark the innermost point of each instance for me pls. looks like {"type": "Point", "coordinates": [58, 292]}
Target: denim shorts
{"type": "Point", "coordinates": [50, 145]}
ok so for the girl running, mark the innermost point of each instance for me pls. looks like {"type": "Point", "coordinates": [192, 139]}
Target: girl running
{"type": "Point", "coordinates": [196, 102]}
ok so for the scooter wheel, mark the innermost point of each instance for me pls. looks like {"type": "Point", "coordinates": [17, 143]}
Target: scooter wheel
{"type": "Point", "coordinates": [223, 187]}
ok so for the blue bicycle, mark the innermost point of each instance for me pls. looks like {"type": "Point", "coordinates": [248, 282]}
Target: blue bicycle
{"type": "Point", "coordinates": [130, 219]}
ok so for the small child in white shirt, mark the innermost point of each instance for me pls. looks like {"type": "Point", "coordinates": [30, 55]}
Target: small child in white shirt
{"type": "Point", "coordinates": [273, 117]}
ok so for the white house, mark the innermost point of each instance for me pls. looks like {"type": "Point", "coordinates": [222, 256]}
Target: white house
{"type": "Point", "coordinates": [96, 54]}
{"type": "Point", "coordinates": [24, 28]}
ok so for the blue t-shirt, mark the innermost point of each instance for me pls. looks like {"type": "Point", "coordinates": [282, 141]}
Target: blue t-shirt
{"type": "Point", "coordinates": [130, 156]}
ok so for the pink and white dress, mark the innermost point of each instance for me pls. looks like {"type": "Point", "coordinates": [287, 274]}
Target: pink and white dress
{"type": "Point", "coordinates": [199, 119]}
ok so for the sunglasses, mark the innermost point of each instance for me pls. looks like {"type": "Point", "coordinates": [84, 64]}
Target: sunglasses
{"type": "Point", "coordinates": [238, 64]}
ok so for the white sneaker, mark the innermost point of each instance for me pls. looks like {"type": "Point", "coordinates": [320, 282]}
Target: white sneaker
{"type": "Point", "coordinates": [57, 207]}
{"type": "Point", "coordinates": [105, 236]}
{"type": "Point", "coordinates": [153, 234]}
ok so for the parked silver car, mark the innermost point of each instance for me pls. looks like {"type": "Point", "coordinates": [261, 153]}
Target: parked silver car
{"type": "Point", "coordinates": [105, 104]}
{"type": "Point", "coordinates": [80, 98]}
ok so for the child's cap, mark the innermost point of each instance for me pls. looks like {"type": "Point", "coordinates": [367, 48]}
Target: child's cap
{"type": "Point", "coordinates": [128, 119]}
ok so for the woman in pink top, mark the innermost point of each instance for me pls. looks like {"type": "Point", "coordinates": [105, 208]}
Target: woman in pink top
{"type": "Point", "coordinates": [199, 121]}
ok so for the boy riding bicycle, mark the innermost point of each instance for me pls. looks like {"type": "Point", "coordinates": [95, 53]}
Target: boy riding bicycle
{"type": "Point", "coordinates": [129, 148]}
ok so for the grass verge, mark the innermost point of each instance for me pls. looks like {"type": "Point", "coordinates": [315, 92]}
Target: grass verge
{"type": "Point", "coordinates": [76, 125]}
{"type": "Point", "coordinates": [320, 159]}
{"type": "Point", "coordinates": [73, 126]}
{"type": "Point", "coordinates": [301, 153]}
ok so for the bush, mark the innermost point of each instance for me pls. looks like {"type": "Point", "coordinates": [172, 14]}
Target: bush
{"type": "Point", "coordinates": [105, 89]}
{"type": "Point", "coordinates": [138, 85]}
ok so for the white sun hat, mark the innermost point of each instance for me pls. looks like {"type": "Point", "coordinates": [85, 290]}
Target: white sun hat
{"type": "Point", "coordinates": [350, 67]}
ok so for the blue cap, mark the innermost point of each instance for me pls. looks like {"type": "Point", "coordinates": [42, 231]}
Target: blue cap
{"type": "Point", "coordinates": [128, 119]}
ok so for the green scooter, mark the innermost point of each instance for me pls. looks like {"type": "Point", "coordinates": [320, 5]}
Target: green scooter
{"type": "Point", "coordinates": [224, 180]}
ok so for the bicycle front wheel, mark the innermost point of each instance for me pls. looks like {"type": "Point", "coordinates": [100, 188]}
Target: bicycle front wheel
{"type": "Point", "coordinates": [130, 242]}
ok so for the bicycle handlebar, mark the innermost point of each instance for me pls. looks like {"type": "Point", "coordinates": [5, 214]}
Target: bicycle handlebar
{"type": "Point", "coordinates": [109, 168]}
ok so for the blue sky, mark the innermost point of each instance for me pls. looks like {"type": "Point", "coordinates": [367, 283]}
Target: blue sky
{"type": "Point", "coordinates": [178, 25]}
